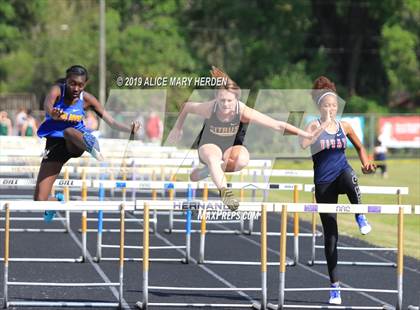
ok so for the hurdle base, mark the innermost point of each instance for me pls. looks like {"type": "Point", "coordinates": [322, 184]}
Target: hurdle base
{"type": "Point", "coordinates": [45, 260]}
{"type": "Point", "coordinates": [71, 304]}
{"type": "Point", "coordinates": [348, 263]}
{"type": "Point", "coordinates": [276, 234]}
{"type": "Point", "coordinates": [139, 304]}
{"type": "Point", "coordinates": [275, 307]}
{"type": "Point", "coordinates": [244, 263]}
{"type": "Point", "coordinates": [137, 259]}
{"type": "Point", "coordinates": [116, 230]}
{"type": "Point", "coordinates": [197, 231]}
{"type": "Point", "coordinates": [37, 230]}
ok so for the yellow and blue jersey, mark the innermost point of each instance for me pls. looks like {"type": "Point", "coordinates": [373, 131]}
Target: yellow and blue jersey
{"type": "Point", "coordinates": [72, 117]}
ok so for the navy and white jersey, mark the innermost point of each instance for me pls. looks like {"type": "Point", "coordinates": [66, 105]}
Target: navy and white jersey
{"type": "Point", "coordinates": [72, 117]}
{"type": "Point", "coordinates": [223, 134]}
{"type": "Point", "coordinates": [328, 155]}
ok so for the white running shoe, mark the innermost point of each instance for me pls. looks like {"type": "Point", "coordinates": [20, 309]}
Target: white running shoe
{"type": "Point", "coordinates": [335, 296]}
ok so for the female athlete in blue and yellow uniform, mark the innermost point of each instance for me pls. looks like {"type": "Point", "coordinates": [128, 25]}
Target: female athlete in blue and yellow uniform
{"type": "Point", "coordinates": [65, 131]}
{"type": "Point", "coordinates": [332, 173]}
{"type": "Point", "coordinates": [220, 142]}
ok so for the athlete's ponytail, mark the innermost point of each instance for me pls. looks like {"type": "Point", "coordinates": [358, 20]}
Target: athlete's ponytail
{"type": "Point", "coordinates": [230, 84]}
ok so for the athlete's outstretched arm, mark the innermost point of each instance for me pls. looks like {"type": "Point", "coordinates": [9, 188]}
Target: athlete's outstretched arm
{"type": "Point", "coordinates": [250, 115]}
{"type": "Point", "coordinates": [367, 166]}
{"type": "Point", "coordinates": [199, 108]}
{"type": "Point", "coordinates": [92, 102]}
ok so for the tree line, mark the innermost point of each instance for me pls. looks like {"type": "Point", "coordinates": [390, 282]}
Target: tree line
{"type": "Point", "coordinates": [369, 48]}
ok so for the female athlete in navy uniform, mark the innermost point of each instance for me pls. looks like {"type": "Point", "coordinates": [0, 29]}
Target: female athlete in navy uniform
{"type": "Point", "coordinates": [332, 173]}
{"type": "Point", "coordinates": [220, 142]}
{"type": "Point", "coordinates": [66, 134]}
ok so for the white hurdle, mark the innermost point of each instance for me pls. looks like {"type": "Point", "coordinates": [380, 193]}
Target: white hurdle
{"type": "Point", "coordinates": [383, 190]}
{"type": "Point", "coordinates": [76, 207]}
{"type": "Point", "coordinates": [65, 184]}
{"type": "Point", "coordinates": [100, 246]}
{"type": "Point", "coordinates": [411, 307]}
{"type": "Point", "coordinates": [184, 205]}
{"type": "Point", "coordinates": [400, 210]}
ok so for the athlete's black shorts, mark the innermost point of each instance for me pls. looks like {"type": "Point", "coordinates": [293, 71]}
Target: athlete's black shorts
{"type": "Point", "coordinates": [56, 151]}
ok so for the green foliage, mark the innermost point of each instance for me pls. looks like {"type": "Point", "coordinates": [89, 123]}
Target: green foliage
{"type": "Point", "coordinates": [260, 44]}
{"type": "Point", "coordinates": [399, 57]}
{"type": "Point", "coordinates": [358, 104]}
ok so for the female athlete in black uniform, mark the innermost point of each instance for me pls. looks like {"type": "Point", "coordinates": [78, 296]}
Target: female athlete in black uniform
{"type": "Point", "coordinates": [220, 142]}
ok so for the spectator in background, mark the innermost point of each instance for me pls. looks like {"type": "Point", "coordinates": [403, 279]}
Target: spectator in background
{"type": "Point", "coordinates": [154, 127]}
{"type": "Point", "coordinates": [140, 133]}
{"type": "Point", "coordinates": [20, 120]}
{"type": "Point", "coordinates": [29, 126]}
{"type": "Point", "coordinates": [5, 124]}
{"type": "Point", "coordinates": [91, 122]}
{"type": "Point", "coordinates": [379, 156]}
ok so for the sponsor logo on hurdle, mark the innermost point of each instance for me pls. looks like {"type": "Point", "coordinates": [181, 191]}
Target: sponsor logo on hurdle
{"type": "Point", "coordinates": [65, 182]}
{"type": "Point", "coordinates": [374, 209]}
{"type": "Point", "coordinates": [310, 208]}
{"type": "Point", "coordinates": [343, 209]}
{"type": "Point", "coordinates": [214, 211]}
{"type": "Point", "coordinates": [10, 182]}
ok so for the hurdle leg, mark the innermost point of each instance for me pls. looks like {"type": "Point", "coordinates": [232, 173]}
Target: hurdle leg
{"type": "Point", "coordinates": [100, 225]}
{"type": "Point", "coordinates": [121, 275]}
{"type": "Point", "coordinates": [6, 257]}
{"type": "Point", "coordinates": [400, 255]}
{"type": "Point", "coordinates": [295, 228]}
{"type": "Point", "coordinates": [282, 273]}
{"type": "Point", "coordinates": [84, 235]}
{"type": "Point", "coordinates": [313, 249]}
{"type": "Point", "coordinates": [264, 257]}
{"type": "Point", "coordinates": [99, 237]}
{"type": "Point", "coordinates": [312, 261]}
{"type": "Point", "coordinates": [253, 195]}
{"type": "Point", "coordinates": [154, 221]}
{"type": "Point", "coordinates": [67, 198]}
{"type": "Point", "coordinates": [171, 212]}
{"type": "Point", "coordinates": [203, 226]}
{"type": "Point", "coordinates": [202, 237]}
{"type": "Point", "coordinates": [144, 304]}
{"type": "Point", "coordinates": [67, 220]}
{"type": "Point", "coordinates": [188, 237]}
